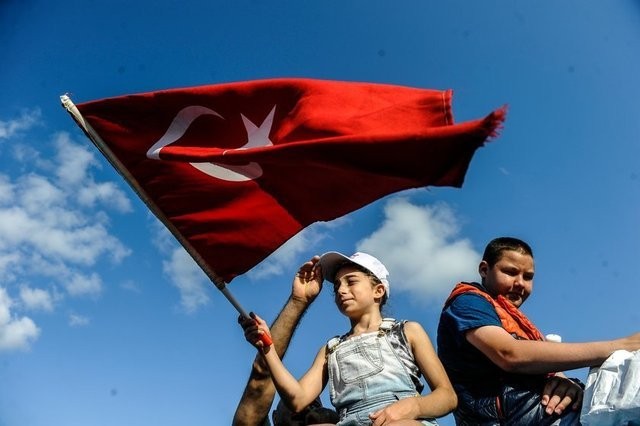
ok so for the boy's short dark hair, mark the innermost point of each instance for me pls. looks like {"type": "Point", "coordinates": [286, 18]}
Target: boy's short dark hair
{"type": "Point", "coordinates": [493, 251]}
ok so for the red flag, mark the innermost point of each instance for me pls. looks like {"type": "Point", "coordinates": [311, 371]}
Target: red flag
{"type": "Point", "coordinates": [237, 169]}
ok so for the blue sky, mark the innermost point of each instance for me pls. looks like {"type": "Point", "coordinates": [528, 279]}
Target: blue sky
{"type": "Point", "coordinates": [104, 320]}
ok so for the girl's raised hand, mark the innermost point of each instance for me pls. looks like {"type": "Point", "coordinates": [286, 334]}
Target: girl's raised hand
{"type": "Point", "coordinates": [308, 281]}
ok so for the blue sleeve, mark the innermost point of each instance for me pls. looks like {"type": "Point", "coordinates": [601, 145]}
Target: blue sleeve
{"type": "Point", "coordinates": [469, 311]}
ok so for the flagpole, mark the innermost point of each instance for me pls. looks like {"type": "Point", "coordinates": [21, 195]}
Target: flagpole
{"type": "Point", "coordinates": [220, 284]}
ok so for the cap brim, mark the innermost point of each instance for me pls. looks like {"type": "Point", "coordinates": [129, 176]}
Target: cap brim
{"type": "Point", "coordinates": [330, 262]}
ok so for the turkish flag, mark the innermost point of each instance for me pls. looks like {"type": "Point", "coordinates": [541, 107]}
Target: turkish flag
{"type": "Point", "coordinates": [235, 170]}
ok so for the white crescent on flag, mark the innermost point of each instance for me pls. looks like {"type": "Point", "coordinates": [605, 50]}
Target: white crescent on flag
{"type": "Point", "coordinates": [257, 136]}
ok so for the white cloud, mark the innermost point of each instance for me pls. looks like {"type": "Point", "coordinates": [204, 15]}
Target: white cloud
{"type": "Point", "coordinates": [7, 192]}
{"type": "Point", "coordinates": [422, 250]}
{"type": "Point", "coordinates": [54, 236]}
{"type": "Point", "coordinates": [283, 260]}
{"type": "Point", "coordinates": [74, 163]}
{"type": "Point", "coordinates": [131, 286]}
{"type": "Point", "coordinates": [54, 228]}
{"type": "Point", "coordinates": [15, 333]}
{"type": "Point", "coordinates": [180, 268]}
{"type": "Point", "coordinates": [189, 278]}
{"type": "Point", "coordinates": [27, 120]}
{"type": "Point", "coordinates": [31, 157]}
{"type": "Point", "coordinates": [76, 320]}
{"type": "Point", "coordinates": [38, 193]}
{"type": "Point", "coordinates": [107, 193]}
{"type": "Point", "coordinates": [83, 285]}
{"type": "Point", "coordinates": [162, 239]}
{"type": "Point", "coordinates": [36, 299]}
{"type": "Point", "coordinates": [40, 216]}
{"type": "Point", "coordinates": [8, 262]}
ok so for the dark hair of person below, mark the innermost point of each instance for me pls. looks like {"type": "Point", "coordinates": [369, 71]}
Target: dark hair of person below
{"type": "Point", "coordinates": [315, 413]}
{"type": "Point", "coordinates": [493, 250]}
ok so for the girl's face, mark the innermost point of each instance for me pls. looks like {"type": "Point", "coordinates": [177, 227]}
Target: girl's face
{"type": "Point", "coordinates": [354, 291]}
{"type": "Point", "coordinates": [511, 276]}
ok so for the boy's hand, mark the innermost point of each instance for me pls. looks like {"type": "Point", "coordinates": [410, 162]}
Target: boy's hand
{"type": "Point", "coordinates": [560, 393]}
{"type": "Point", "coordinates": [308, 281]}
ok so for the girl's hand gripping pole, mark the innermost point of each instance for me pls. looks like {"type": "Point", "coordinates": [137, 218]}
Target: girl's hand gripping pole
{"type": "Point", "coordinates": [264, 338]}
{"type": "Point", "coordinates": [222, 286]}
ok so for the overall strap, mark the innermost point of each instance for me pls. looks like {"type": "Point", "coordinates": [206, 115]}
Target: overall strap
{"type": "Point", "coordinates": [332, 344]}
{"type": "Point", "coordinates": [386, 325]}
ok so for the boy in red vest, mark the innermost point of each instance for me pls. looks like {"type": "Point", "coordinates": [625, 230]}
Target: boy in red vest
{"type": "Point", "coordinates": [502, 369]}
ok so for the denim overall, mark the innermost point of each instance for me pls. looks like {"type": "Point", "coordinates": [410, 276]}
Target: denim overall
{"type": "Point", "coordinates": [366, 375]}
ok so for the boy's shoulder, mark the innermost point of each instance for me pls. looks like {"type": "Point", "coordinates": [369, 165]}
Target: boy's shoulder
{"type": "Point", "coordinates": [468, 293]}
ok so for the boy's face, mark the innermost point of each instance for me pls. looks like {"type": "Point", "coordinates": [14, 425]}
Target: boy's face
{"type": "Point", "coordinates": [511, 276]}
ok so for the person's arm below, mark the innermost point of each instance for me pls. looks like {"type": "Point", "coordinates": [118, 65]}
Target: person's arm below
{"type": "Point", "coordinates": [442, 399]}
{"type": "Point", "coordinates": [256, 399]}
{"type": "Point", "coordinates": [295, 394]}
{"type": "Point", "coordinates": [259, 392]}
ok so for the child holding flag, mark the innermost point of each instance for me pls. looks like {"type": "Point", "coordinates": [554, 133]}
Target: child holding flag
{"type": "Point", "coordinates": [374, 369]}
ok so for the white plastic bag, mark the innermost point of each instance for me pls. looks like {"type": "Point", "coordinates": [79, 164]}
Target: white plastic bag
{"type": "Point", "coordinates": [612, 393]}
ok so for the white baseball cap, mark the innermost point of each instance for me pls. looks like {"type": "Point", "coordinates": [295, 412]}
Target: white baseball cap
{"type": "Point", "coordinates": [331, 261]}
